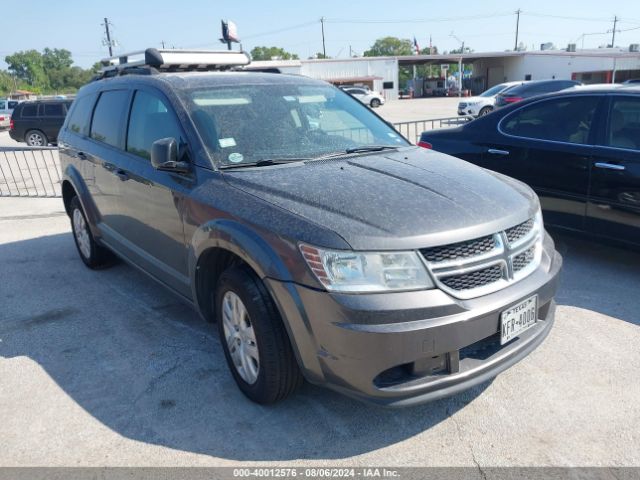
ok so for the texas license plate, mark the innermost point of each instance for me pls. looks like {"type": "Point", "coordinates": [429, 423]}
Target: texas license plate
{"type": "Point", "coordinates": [518, 318]}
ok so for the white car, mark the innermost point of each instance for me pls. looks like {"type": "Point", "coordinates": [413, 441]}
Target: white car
{"type": "Point", "coordinates": [484, 103]}
{"type": "Point", "coordinates": [366, 96]}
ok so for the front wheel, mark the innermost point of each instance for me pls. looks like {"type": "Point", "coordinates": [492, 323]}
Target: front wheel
{"type": "Point", "coordinates": [35, 138]}
{"type": "Point", "coordinates": [375, 103]}
{"type": "Point", "coordinates": [255, 342]}
{"type": "Point", "coordinates": [485, 111]}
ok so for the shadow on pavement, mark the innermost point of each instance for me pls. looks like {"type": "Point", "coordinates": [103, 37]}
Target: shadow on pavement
{"type": "Point", "coordinates": [147, 367]}
{"type": "Point", "coordinates": [599, 277]}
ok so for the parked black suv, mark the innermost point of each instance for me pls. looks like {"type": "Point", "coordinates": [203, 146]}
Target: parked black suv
{"type": "Point", "coordinates": [531, 89]}
{"type": "Point", "coordinates": [323, 243]}
{"type": "Point", "coordinates": [37, 123]}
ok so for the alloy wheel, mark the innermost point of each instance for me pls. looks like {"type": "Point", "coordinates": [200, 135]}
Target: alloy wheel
{"type": "Point", "coordinates": [240, 337]}
{"type": "Point", "coordinates": [81, 233]}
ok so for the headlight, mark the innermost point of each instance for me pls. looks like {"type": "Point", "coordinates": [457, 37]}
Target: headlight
{"type": "Point", "coordinates": [357, 272]}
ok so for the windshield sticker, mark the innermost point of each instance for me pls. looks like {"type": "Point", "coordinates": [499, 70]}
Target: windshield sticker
{"type": "Point", "coordinates": [235, 157]}
{"type": "Point", "coordinates": [227, 142]}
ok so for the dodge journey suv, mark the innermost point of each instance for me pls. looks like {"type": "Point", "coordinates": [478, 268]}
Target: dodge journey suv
{"type": "Point", "coordinates": [324, 245]}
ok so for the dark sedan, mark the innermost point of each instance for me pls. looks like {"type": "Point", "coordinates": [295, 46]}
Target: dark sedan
{"type": "Point", "coordinates": [579, 150]}
{"type": "Point", "coordinates": [532, 89]}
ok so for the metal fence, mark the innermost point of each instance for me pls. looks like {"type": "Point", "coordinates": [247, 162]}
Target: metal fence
{"type": "Point", "coordinates": [412, 130]}
{"type": "Point", "coordinates": [29, 172]}
{"type": "Point", "coordinates": [35, 172]}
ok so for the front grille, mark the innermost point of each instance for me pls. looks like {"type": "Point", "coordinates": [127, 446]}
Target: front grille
{"type": "Point", "coordinates": [457, 251]}
{"type": "Point", "coordinates": [523, 259]}
{"type": "Point", "coordinates": [477, 279]}
{"type": "Point", "coordinates": [485, 264]}
{"type": "Point", "coordinates": [519, 231]}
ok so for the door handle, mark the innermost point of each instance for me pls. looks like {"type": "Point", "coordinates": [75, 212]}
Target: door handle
{"type": "Point", "coordinates": [495, 151]}
{"type": "Point", "coordinates": [610, 166]}
{"type": "Point", "coordinates": [121, 174]}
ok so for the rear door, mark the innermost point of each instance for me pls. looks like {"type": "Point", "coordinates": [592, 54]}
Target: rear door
{"type": "Point", "coordinates": [548, 145]}
{"type": "Point", "coordinates": [153, 200]}
{"type": "Point", "coordinates": [104, 154]}
{"type": "Point", "coordinates": [51, 118]}
{"type": "Point", "coordinates": [614, 198]}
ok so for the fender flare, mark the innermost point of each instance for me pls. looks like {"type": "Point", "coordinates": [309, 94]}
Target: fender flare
{"type": "Point", "coordinates": [74, 177]}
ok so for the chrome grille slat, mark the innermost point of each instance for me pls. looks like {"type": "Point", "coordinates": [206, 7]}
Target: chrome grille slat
{"type": "Point", "coordinates": [483, 265]}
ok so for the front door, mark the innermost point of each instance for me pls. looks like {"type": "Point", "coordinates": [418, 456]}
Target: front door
{"type": "Point", "coordinates": [547, 145]}
{"type": "Point", "coordinates": [614, 199]}
{"type": "Point", "coordinates": [153, 200]}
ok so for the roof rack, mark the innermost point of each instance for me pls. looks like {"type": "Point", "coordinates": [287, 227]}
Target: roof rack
{"type": "Point", "coordinates": [153, 60]}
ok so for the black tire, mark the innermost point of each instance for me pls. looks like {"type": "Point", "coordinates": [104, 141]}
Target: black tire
{"type": "Point", "coordinates": [95, 256]}
{"type": "Point", "coordinates": [485, 111]}
{"type": "Point", "coordinates": [278, 374]}
{"type": "Point", "coordinates": [375, 103]}
{"type": "Point", "coordinates": [36, 138]}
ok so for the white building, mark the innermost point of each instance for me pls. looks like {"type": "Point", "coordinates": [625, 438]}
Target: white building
{"type": "Point", "coordinates": [604, 65]}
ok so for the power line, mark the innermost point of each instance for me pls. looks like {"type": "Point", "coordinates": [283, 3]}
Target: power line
{"type": "Point", "coordinates": [417, 20]}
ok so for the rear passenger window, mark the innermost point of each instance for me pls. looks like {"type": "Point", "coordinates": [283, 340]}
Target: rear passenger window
{"type": "Point", "coordinates": [624, 123]}
{"type": "Point", "coordinates": [80, 114]}
{"type": "Point", "coordinates": [29, 110]}
{"type": "Point", "coordinates": [53, 110]}
{"type": "Point", "coordinates": [108, 117]}
{"type": "Point", "coordinates": [561, 119]}
{"type": "Point", "coordinates": [151, 119]}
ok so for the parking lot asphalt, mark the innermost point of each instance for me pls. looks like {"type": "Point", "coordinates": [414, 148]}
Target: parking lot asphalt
{"type": "Point", "coordinates": [106, 368]}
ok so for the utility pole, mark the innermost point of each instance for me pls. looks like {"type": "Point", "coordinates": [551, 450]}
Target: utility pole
{"type": "Point", "coordinates": [110, 43]}
{"type": "Point", "coordinates": [515, 49]}
{"type": "Point", "coordinates": [613, 37]}
{"type": "Point", "coordinates": [324, 50]}
{"type": "Point", "coordinates": [162, 44]}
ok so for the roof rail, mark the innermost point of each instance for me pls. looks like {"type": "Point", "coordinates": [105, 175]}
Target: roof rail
{"type": "Point", "coordinates": [153, 60]}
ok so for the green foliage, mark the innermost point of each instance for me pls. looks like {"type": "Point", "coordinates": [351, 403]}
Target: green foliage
{"type": "Point", "coordinates": [51, 71]}
{"type": "Point", "coordinates": [390, 46]}
{"type": "Point", "coordinates": [319, 56]}
{"type": "Point", "coordinates": [268, 53]}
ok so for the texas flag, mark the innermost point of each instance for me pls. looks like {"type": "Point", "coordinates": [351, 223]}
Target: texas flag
{"type": "Point", "coordinates": [415, 44]}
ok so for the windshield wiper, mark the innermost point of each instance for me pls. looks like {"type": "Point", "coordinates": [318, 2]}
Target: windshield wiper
{"type": "Point", "coordinates": [370, 148]}
{"type": "Point", "coordinates": [262, 163]}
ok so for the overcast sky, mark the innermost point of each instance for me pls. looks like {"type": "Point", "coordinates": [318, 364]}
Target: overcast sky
{"type": "Point", "coordinates": [484, 26]}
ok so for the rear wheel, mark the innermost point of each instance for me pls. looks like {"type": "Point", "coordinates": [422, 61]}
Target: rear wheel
{"type": "Point", "coordinates": [255, 342]}
{"type": "Point", "coordinates": [375, 103]}
{"type": "Point", "coordinates": [93, 255]}
{"type": "Point", "coordinates": [35, 138]}
{"type": "Point", "coordinates": [485, 111]}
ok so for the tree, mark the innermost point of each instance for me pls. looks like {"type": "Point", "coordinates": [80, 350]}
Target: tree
{"type": "Point", "coordinates": [390, 47]}
{"type": "Point", "coordinates": [319, 55]}
{"type": "Point", "coordinates": [28, 66]}
{"type": "Point", "coordinates": [272, 53]}
{"type": "Point", "coordinates": [56, 59]}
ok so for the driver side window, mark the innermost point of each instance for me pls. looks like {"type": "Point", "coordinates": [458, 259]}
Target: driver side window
{"type": "Point", "coordinates": [151, 119]}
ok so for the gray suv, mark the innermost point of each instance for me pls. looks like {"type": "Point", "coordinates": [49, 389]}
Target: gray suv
{"type": "Point", "coordinates": [324, 245]}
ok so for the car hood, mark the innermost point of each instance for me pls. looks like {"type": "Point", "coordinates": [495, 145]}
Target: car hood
{"type": "Point", "coordinates": [411, 198]}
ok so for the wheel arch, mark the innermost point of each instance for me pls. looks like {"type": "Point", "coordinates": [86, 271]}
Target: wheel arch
{"type": "Point", "coordinates": [74, 185]}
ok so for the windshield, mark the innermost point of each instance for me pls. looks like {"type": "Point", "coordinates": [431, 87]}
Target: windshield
{"type": "Point", "coordinates": [493, 91]}
{"type": "Point", "coordinates": [246, 124]}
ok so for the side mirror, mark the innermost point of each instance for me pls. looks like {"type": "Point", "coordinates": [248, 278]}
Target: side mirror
{"type": "Point", "coordinates": [164, 156]}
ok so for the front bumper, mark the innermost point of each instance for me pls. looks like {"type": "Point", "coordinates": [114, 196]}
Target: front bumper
{"type": "Point", "coordinates": [399, 349]}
